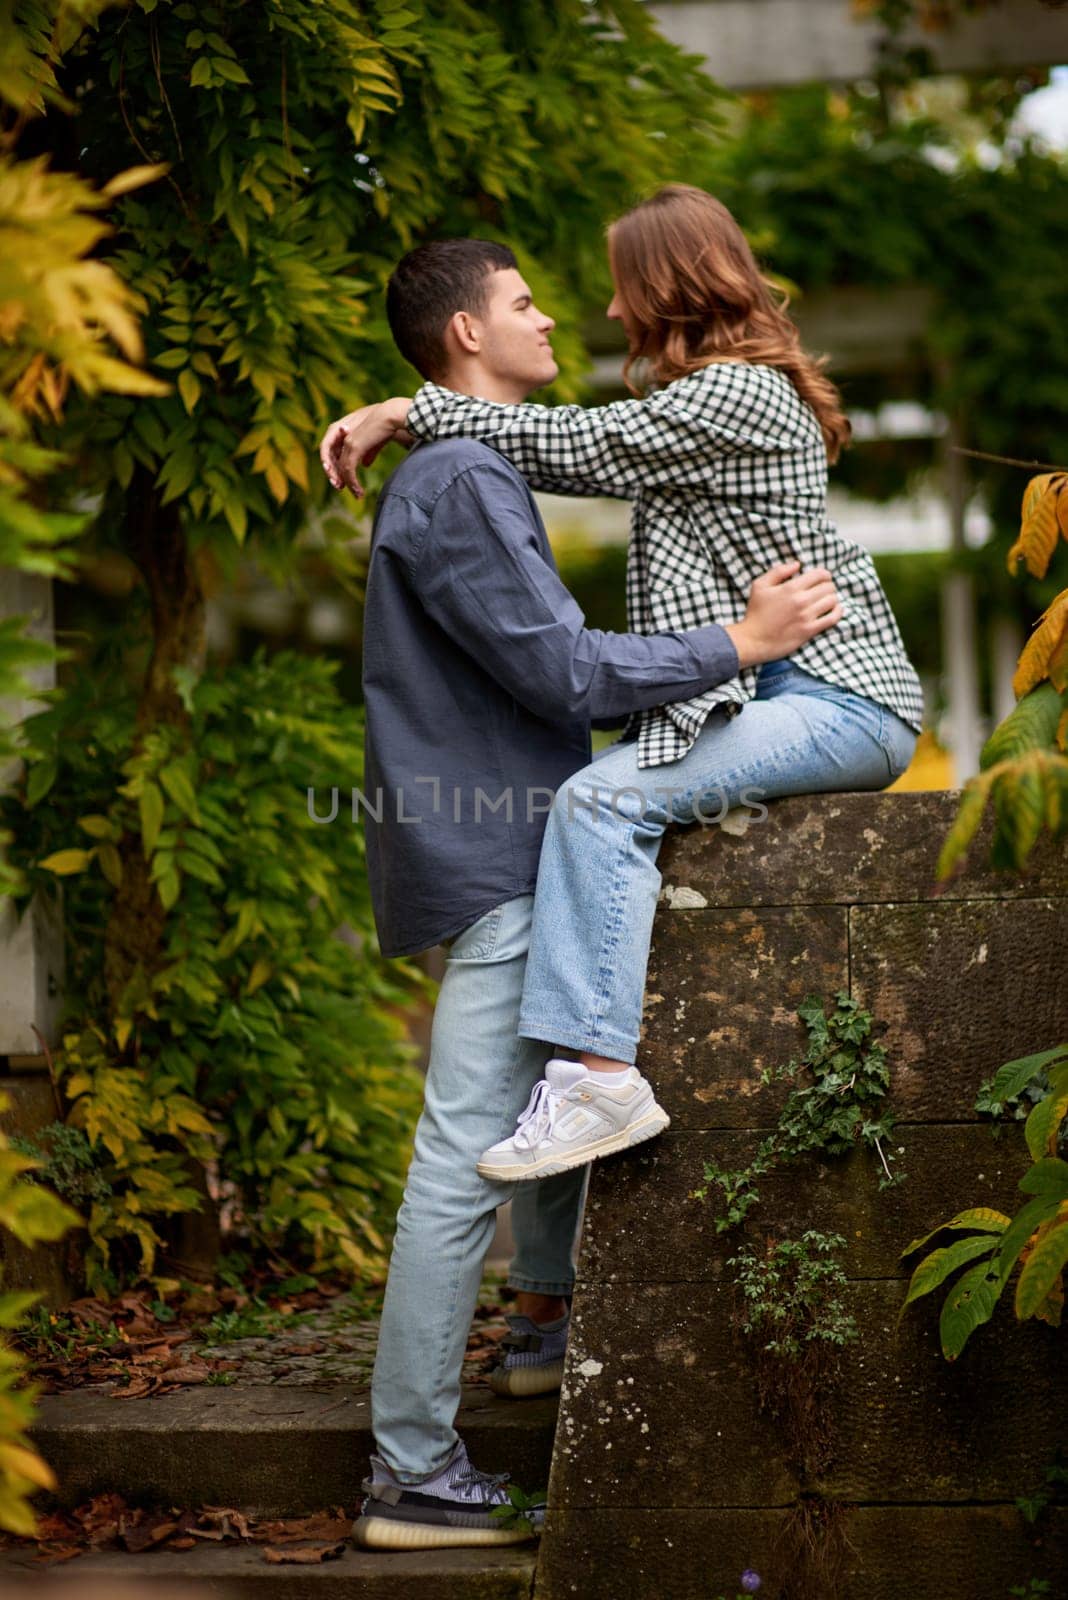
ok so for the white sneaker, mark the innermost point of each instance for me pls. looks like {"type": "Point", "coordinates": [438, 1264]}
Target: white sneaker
{"type": "Point", "coordinates": [571, 1119]}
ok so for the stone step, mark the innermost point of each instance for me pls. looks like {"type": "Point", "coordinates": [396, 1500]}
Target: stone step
{"type": "Point", "coordinates": [270, 1450]}
{"type": "Point", "coordinates": [240, 1572]}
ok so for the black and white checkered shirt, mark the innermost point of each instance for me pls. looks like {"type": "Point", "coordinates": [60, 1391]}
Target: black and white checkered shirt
{"type": "Point", "coordinates": [727, 470]}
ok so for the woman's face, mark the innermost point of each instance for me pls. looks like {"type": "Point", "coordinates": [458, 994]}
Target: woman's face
{"type": "Point", "coordinates": [618, 312]}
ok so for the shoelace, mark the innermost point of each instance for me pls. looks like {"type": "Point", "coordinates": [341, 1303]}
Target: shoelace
{"type": "Point", "coordinates": [471, 1484]}
{"type": "Point", "coordinates": [537, 1121]}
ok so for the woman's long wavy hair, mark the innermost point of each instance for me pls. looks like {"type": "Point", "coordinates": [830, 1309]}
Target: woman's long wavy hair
{"type": "Point", "coordinates": [693, 294]}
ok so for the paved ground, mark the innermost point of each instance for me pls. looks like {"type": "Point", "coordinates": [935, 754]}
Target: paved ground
{"type": "Point", "coordinates": [337, 1345]}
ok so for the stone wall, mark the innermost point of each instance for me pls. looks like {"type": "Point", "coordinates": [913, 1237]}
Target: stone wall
{"type": "Point", "coordinates": [667, 1479]}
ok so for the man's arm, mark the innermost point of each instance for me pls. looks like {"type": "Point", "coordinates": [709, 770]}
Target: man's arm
{"type": "Point", "coordinates": [480, 574]}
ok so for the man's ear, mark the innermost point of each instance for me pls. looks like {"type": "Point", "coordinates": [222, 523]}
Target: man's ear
{"type": "Point", "coordinates": [462, 335]}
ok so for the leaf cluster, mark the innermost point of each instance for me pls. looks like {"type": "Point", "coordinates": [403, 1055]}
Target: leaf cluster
{"type": "Point", "coordinates": [32, 1215]}
{"type": "Point", "coordinates": [305, 148]}
{"type": "Point", "coordinates": [522, 1511]}
{"type": "Point", "coordinates": [833, 1109]}
{"type": "Point", "coordinates": [269, 1045]}
{"type": "Point", "coordinates": [993, 1244]}
{"type": "Point", "coordinates": [1023, 766]}
{"type": "Point", "coordinates": [792, 1294]}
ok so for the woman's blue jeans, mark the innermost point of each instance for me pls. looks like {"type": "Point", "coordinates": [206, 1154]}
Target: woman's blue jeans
{"type": "Point", "coordinates": [598, 881]}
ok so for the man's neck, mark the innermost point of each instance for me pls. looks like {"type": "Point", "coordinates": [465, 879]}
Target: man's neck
{"type": "Point", "coordinates": [485, 386]}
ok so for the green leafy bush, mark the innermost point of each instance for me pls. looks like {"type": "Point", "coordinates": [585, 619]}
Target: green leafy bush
{"type": "Point", "coordinates": [992, 1244]}
{"type": "Point", "coordinates": [263, 1045]}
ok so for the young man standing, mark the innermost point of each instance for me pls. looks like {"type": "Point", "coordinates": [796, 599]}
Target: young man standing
{"type": "Point", "coordinates": [481, 681]}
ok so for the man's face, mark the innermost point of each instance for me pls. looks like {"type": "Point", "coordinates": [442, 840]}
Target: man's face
{"type": "Point", "coordinates": [515, 334]}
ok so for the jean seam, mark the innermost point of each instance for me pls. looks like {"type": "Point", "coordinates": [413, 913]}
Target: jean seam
{"type": "Point", "coordinates": [610, 937]}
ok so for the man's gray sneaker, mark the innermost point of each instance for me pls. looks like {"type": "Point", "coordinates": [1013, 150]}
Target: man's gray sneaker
{"type": "Point", "coordinates": [570, 1120]}
{"type": "Point", "coordinates": [532, 1357]}
{"type": "Point", "coordinates": [453, 1507]}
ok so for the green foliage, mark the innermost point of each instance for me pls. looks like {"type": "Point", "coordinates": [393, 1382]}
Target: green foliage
{"type": "Point", "coordinates": [792, 1294]}
{"type": "Point", "coordinates": [64, 315]}
{"type": "Point", "coordinates": [32, 1215]}
{"type": "Point", "coordinates": [1021, 765]}
{"type": "Point", "coordinates": [832, 1113]}
{"type": "Point", "coordinates": [1026, 777]}
{"type": "Point", "coordinates": [1032, 1507]}
{"type": "Point", "coordinates": [1036, 1238]}
{"type": "Point", "coordinates": [518, 1513]}
{"type": "Point", "coordinates": [264, 1045]}
{"type": "Point", "coordinates": [306, 147]}
{"type": "Point", "coordinates": [68, 1163]}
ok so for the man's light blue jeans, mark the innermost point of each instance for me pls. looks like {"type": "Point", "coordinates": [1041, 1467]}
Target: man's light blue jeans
{"type": "Point", "coordinates": [478, 1081]}
{"type": "Point", "coordinates": [598, 881]}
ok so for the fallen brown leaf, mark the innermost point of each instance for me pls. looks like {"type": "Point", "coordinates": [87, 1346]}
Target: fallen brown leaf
{"type": "Point", "coordinates": [144, 1535]}
{"type": "Point", "coordinates": [49, 1555]}
{"type": "Point", "coordinates": [135, 1389]}
{"type": "Point", "coordinates": [305, 1555]}
{"type": "Point", "coordinates": [319, 1525]}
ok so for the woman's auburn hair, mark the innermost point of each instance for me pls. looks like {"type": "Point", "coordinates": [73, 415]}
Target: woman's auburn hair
{"type": "Point", "coordinates": [694, 295]}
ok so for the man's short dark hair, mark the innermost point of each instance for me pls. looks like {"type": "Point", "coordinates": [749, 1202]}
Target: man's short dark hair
{"type": "Point", "coordinates": [429, 285]}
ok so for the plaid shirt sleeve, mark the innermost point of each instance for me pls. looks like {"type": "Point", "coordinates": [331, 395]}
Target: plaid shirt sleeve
{"type": "Point", "coordinates": [670, 439]}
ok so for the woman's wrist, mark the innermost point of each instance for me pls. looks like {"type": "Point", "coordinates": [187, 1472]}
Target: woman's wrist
{"type": "Point", "coordinates": [396, 408]}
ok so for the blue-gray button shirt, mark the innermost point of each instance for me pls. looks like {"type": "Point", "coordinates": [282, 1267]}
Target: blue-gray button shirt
{"type": "Point", "coordinates": [481, 681]}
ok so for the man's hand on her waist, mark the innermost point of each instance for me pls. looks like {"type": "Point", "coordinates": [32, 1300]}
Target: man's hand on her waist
{"type": "Point", "coordinates": [787, 608]}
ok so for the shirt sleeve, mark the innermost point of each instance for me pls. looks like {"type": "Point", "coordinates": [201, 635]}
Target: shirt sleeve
{"type": "Point", "coordinates": [480, 574]}
{"type": "Point", "coordinates": [673, 438]}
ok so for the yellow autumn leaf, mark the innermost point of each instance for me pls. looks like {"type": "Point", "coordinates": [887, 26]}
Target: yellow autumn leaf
{"type": "Point", "coordinates": [27, 1464]}
{"type": "Point", "coordinates": [189, 387]}
{"type": "Point", "coordinates": [1038, 523]}
{"type": "Point", "coordinates": [1045, 643]}
{"type": "Point", "coordinates": [106, 372]}
{"type": "Point", "coordinates": [97, 826]}
{"type": "Point", "coordinates": [134, 177]}
{"type": "Point", "coordinates": [110, 863]}
{"type": "Point", "coordinates": [261, 971]}
{"type": "Point", "coordinates": [64, 862]}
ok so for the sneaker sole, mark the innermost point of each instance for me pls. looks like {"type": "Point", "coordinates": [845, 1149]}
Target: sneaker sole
{"type": "Point", "coordinates": [384, 1533]}
{"type": "Point", "coordinates": [520, 1382]}
{"type": "Point", "coordinates": [646, 1127]}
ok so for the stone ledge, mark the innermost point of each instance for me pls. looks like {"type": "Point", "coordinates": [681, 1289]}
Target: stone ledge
{"type": "Point", "coordinates": [276, 1451]}
{"type": "Point", "coordinates": [242, 1573]}
{"type": "Point", "coordinates": [845, 849]}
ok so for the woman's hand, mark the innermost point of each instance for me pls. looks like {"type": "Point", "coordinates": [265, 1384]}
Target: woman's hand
{"type": "Point", "coordinates": [786, 609]}
{"type": "Point", "coordinates": [355, 440]}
